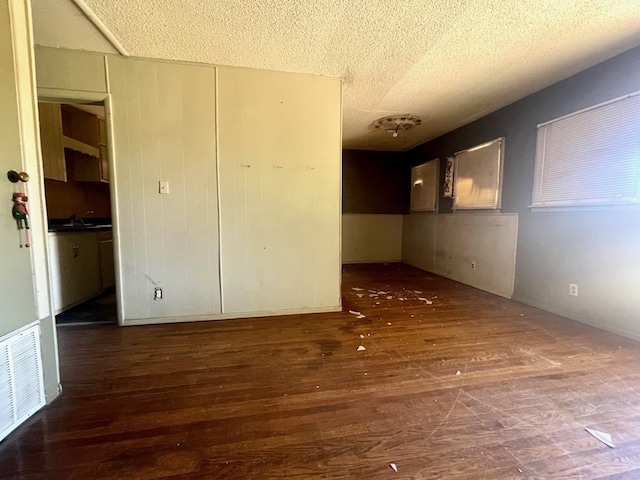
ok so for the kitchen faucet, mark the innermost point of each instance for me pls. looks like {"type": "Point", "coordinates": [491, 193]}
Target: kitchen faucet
{"type": "Point", "coordinates": [76, 218]}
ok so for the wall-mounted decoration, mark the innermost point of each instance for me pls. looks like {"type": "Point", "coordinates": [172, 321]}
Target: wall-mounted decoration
{"type": "Point", "coordinates": [448, 178]}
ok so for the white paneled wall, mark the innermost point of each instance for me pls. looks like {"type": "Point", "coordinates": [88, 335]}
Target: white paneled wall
{"type": "Point", "coordinates": [418, 239]}
{"type": "Point", "coordinates": [448, 245]}
{"type": "Point", "coordinates": [164, 129]}
{"type": "Point", "coordinates": [279, 165]}
{"type": "Point", "coordinates": [371, 238]}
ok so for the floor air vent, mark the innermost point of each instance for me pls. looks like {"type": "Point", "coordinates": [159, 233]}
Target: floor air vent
{"type": "Point", "coordinates": [21, 387]}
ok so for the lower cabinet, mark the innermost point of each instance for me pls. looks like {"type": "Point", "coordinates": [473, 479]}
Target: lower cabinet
{"type": "Point", "coordinates": [107, 267]}
{"type": "Point", "coordinates": [81, 266]}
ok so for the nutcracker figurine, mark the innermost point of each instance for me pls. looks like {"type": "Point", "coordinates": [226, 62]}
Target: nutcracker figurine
{"type": "Point", "coordinates": [21, 214]}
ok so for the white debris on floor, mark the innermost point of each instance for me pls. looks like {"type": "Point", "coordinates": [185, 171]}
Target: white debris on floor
{"type": "Point", "coordinates": [353, 312]}
{"type": "Point", "coordinates": [360, 349]}
{"type": "Point", "coordinates": [357, 289]}
{"type": "Point", "coordinates": [458, 372]}
{"type": "Point", "coordinates": [602, 436]}
{"type": "Point", "coordinates": [394, 467]}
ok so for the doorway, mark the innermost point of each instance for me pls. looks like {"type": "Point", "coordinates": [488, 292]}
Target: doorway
{"type": "Point", "coordinates": [75, 166]}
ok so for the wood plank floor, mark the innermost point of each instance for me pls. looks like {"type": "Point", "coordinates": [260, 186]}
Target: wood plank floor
{"type": "Point", "coordinates": [471, 386]}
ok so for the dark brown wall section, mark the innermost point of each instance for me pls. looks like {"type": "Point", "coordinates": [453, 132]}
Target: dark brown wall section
{"type": "Point", "coordinates": [375, 182]}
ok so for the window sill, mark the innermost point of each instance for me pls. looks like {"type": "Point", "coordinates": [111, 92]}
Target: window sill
{"type": "Point", "coordinates": [584, 208]}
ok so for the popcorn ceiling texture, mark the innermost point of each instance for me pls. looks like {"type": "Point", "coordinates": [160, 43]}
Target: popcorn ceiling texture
{"type": "Point", "coordinates": [448, 61]}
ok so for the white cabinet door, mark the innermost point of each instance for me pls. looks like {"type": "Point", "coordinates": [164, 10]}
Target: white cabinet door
{"type": "Point", "coordinates": [75, 268]}
{"type": "Point", "coordinates": [107, 268]}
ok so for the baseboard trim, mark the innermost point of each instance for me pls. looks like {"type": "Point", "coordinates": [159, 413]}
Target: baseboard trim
{"type": "Point", "coordinates": [355, 262]}
{"type": "Point", "coordinates": [228, 316]}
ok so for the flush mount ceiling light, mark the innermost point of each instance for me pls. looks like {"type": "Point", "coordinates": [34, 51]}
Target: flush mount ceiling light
{"type": "Point", "coordinates": [396, 123]}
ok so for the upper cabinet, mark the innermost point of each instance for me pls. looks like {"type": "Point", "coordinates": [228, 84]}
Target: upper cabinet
{"type": "Point", "coordinates": [53, 162]}
{"type": "Point", "coordinates": [91, 131]}
{"type": "Point", "coordinates": [64, 128]}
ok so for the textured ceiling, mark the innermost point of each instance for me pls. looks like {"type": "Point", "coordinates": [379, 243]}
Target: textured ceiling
{"type": "Point", "coordinates": [447, 61]}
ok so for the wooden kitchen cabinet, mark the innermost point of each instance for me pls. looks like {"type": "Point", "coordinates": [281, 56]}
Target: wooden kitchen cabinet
{"type": "Point", "coordinates": [75, 268]}
{"type": "Point", "coordinates": [90, 169]}
{"type": "Point", "coordinates": [51, 141]}
{"type": "Point", "coordinates": [80, 125]}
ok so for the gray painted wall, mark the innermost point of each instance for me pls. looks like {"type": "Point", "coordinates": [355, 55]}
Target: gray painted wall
{"type": "Point", "coordinates": [375, 182]}
{"type": "Point", "coordinates": [598, 250]}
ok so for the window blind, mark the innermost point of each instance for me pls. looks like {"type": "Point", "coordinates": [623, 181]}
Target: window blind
{"type": "Point", "coordinates": [477, 181]}
{"type": "Point", "coordinates": [591, 157]}
{"type": "Point", "coordinates": [424, 187]}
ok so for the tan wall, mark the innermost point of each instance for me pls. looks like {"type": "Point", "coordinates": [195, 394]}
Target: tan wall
{"type": "Point", "coordinates": [419, 240]}
{"type": "Point", "coordinates": [448, 245]}
{"type": "Point", "coordinates": [371, 238]}
{"type": "Point", "coordinates": [280, 151]}
{"type": "Point", "coordinates": [72, 70]}
{"type": "Point", "coordinates": [16, 295]}
{"type": "Point", "coordinates": [163, 118]}
{"type": "Point", "coordinates": [279, 143]}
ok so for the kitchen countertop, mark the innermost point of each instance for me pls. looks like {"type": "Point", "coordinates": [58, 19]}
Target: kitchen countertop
{"type": "Point", "coordinates": [60, 225]}
{"type": "Point", "coordinates": [79, 228]}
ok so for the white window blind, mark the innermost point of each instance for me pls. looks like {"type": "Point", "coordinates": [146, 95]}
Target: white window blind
{"type": "Point", "coordinates": [477, 181]}
{"type": "Point", "coordinates": [591, 157]}
{"type": "Point", "coordinates": [424, 187]}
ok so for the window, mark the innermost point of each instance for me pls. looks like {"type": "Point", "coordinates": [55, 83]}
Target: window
{"type": "Point", "coordinates": [591, 157]}
{"type": "Point", "coordinates": [477, 182]}
{"type": "Point", "coordinates": [424, 187]}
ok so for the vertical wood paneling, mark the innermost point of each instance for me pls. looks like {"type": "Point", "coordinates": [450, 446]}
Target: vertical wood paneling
{"type": "Point", "coordinates": [164, 129]}
{"type": "Point", "coordinates": [488, 240]}
{"type": "Point", "coordinates": [371, 238]}
{"type": "Point", "coordinates": [449, 244]}
{"type": "Point", "coordinates": [279, 144]}
{"type": "Point", "coordinates": [418, 239]}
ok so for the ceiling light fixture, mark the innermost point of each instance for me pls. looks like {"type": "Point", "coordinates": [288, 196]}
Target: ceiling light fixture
{"type": "Point", "coordinates": [393, 124]}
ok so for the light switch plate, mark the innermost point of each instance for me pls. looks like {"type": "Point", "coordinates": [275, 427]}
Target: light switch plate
{"type": "Point", "coordinates": [163, 187]}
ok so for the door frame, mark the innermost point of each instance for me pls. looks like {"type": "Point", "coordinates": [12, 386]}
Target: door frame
{"type": "Point", "coordinates": [77, 96]}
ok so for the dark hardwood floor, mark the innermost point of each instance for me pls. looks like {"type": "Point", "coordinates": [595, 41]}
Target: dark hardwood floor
{"type": "Point", "coordinates": [471, 386]}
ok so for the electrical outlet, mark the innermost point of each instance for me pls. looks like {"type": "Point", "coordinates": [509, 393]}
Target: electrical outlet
{"type": "Point", "coordinates": [157, 294]}
{"type": "Point", "coordinates": [573, 289]}
{"type": "Point", "coordinates": [473, 265]}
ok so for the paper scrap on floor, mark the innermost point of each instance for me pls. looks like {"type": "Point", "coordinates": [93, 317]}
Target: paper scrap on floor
{"type": "Point", "coordinates": [394, 467]}
{"type": "Point", "coordinates": [360, 349]}
{"type": "Point", "coordinates": [353, 312]}
{"type": "Point", "coordinates": [602, 436]}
